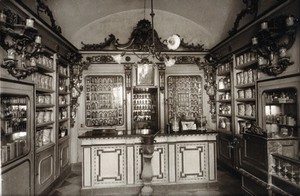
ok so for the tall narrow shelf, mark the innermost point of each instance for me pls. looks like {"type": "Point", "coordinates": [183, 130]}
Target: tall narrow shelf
{"type": "Point", "coordinates": [45, 101]}
{"type": "Point", "coordinates": [63, 114]}
{"type": "Point", "coordinates": [63, 99]}
{"type": "Point", "coordinates": [45, 125]}
{"type": "Point", "coordinates": [224, 97]}
{"type": "Point", "coordinates": [245, 76]}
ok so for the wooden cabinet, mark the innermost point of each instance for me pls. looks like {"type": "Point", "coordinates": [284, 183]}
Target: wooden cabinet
{"type": "Point", "coordinates": [277, 141]}
{"type": "Point", "coordinates": [17, 138]}
{"type": "Point", "coordinates": [34, 166]}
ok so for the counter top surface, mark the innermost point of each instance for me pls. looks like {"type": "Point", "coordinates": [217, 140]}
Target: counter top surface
{"type": "Point", "coordinates": [95, 134]}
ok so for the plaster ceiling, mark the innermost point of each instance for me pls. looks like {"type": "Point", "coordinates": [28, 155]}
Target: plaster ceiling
{"type": "Point", "coordinates": [196, 21]}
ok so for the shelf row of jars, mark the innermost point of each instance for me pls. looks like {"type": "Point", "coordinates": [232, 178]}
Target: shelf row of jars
{"type": "Point", "coordinates": [224, 67]}
{"type": "Point", "coordinates": [104, 114]}
{"type": "Point", "coordinates": [225, 96]}
{"type": "Point", "coordinates": [62, 85]}
{"type": "Point", "coordinates": [43, 99]}
{"type": "Point", "coordinates": [245, 58]}
{"type": "Point", "coordinates": [103, 87]}
{"type": "Point", "coordinates": [246, 109]}
{"type": "Point", "coordinates": [63, 113]}
{"type": "Point", "coordinates": [42, 60]}
{"type": "Point", "coordinates": [13, 149]}
{"type": "Point", "coordinates": [43, 136]}
{"type": "Point", "coordinates": [281, 119]}
{"type": "Point", "coordinates": [142, 101]}
{"type": "Point", "coordinates": [103, 104]}
{"type": "Point", "coordinates": [184, 100]}
{"type": "Point", "coordinates": [140, 118]}
{"type": "Point", "coordinates": [62, 99]}
{"type": "Point", "coordinates": [44, 116]}
{"type": "Point", "coordinates": [225, 108]}
{"type": "Point", "coordinates": [63, 70]}
{"type": "Point", "coordinates": [225, 123]}
{"type": "Point", "coordinates": [143, 107]}
{"type": "Point", "coordinates": [246, 77]}
{"type": "Point", "coordinates": [224, 83]}
{"type": "Point", "coordinates": [184, 88]}
{"type": "Point", "coordinates": [104, 80]}
{"type": "Point", "coordinates": [103, 97]}
{"type": "Point", "coordinates": [9, 126]}
{"type": "Point", "coordinates": [143, 112]}
{"type": "Point", "coordinates": [13, 100]}
{"type": "Point", "coordinates": [248, 93]}
{"type": "Point", "coordinates": [14, 111]}
{"type": "Point", "coordinates": [104, 122]}
{"type": "Point", "coordinates": [181, 113]}
{"type": "Point", "coordinates": [42, 80]}
{"type": "Point", "coordinates": [142, 96]}
{"type": "Point", "coordinates": [281, 97]}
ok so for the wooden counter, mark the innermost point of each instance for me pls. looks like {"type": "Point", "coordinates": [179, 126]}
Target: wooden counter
{"type": "Point", "coordinates": [110, 161]}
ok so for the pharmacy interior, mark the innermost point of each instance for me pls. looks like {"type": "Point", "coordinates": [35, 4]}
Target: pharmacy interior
{"type": "Point", "coordinates": [142, 96]}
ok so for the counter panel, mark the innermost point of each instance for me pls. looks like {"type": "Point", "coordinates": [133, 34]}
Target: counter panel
{"type": "Point", "coordinates": [118, 161]}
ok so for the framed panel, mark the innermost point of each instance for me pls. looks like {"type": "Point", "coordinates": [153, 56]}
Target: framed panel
{"type": "Point", "coordinates": [145, 74]}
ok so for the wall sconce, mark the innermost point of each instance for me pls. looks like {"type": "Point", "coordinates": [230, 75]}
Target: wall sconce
{"type": "Point", "coordinates": [22, 44]}
{"type": "Point", "coordinates": [272, 41]}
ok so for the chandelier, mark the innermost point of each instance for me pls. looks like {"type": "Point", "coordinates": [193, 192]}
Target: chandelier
{"type": "Point", "coordinates": [146, 43]}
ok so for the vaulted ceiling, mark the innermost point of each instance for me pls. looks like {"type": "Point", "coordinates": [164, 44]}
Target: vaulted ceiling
{"type": "Point", "coordinates": [196, 21]}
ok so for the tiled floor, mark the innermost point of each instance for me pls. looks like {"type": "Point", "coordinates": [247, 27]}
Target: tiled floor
{"type": "Point", "coordinates": [227, 185]}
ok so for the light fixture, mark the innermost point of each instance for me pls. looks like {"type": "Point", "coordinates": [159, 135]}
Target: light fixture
{"type": "Point", "coordinates": [22, 44]}
{"type": "Point", "coordinates": [272, 41]}
{"type": "Point", "coordinates": [150, 45]}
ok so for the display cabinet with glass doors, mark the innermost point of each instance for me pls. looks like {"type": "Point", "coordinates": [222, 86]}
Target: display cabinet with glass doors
{"type": "Point", "coordinates": [104, 105]}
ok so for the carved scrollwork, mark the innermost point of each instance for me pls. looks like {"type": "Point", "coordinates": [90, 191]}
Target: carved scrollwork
{"type": "Point", "coordinates": [43, 8]}
{"type": "Point", "coordinates": [251, 8]}
{"type": "Point", "coordinates": [140, 40]}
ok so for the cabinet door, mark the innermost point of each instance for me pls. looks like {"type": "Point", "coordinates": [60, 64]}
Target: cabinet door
{"type": "Point", "coordinates": [20, 176]}
{"type": "Point", "coordinates": [45, 169]}
{"type": "Point", "coordinates": [64, 155]}
{"type": "Point", "coordinates": [225, 149]}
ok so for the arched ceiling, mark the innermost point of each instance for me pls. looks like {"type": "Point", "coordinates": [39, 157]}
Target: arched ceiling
{"type": "Point", "coordinates": [91, 21]}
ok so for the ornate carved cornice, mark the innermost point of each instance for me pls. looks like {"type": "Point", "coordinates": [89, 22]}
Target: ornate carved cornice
{"type": "Point", "coordinates": [100, 59]}
{"type": "Point", "coordinates": [140, 39]}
